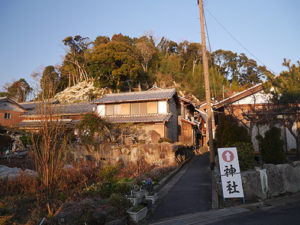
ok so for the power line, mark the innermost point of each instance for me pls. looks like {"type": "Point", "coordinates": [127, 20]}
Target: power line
{"type": "Point", "coordinates": [234, 38]}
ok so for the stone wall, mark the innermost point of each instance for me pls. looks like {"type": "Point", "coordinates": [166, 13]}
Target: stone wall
{"type": "Point", "coordinates": [160, 154]}
{"type": "Point", "coordinates": [269, 181]}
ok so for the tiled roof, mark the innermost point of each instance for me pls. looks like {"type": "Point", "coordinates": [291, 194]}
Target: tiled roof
{"type": "Point", "coordinates": [138, 119]}
{"type": "Point", "coordinates": [66, 109]}
{"type": "Point", "coordinates": [11, 100]}
{"type": "Point", "coordinates": [35, 124]}
{"type": "Point", "coordinates": [29, 105]}
{"type": "Point", "coordinates": [137, 96]}
{"type": "Point", "coordinates": [239, 95]}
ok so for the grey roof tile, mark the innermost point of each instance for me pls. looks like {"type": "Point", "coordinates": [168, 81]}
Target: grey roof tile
{"type": "Point", "coordinates": [65, 109]}
{"type": "Point", "coordinates": [137, 96]}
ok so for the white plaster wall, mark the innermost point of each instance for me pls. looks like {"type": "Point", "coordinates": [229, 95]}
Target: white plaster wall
{"type": "Point", "coordinates": [257, 98]}
{"type": "Point", "coordinates": [101, 110]}
{"type": "Point", "coordinates": [162, 107]}
{"type": "Point", "coordinates": [262, 130]}
{"type": "Point", "coordinates": [291, 142]}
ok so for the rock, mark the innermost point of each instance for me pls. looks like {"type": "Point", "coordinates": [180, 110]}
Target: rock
{"type": "Point", "coordinates": [155, 137]}
{"type": "Point", "coordinates": [9, 173]}
{"type": "Point", "coordinates": [275, 180]}
{"type": "Point", "coordinates": [12, 173]}
{"type": "Point", "coordinates": [291, 177]}
{"type": "Point", "coordinates": [252, 185]}
{"type": "Point", "coordinates": [296, 163]}
{"type": "Point", "coordinates": [31, 173]}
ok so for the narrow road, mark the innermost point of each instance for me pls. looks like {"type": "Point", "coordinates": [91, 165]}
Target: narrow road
{"type": "Point", "coordinates": [286, 214]}
{"type": "Point", "coordinates": [191, 193]}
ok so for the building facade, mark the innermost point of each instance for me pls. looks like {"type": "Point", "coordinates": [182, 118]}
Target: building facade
{"type": "Point", "coordinates": [10, 112]}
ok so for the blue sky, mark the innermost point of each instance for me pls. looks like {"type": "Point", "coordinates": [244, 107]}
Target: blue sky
{"type": "Point", "coordinates": [32, 31]}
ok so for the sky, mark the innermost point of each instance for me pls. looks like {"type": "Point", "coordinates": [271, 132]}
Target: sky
{"type": "Point", "coordinates": [31, 31]}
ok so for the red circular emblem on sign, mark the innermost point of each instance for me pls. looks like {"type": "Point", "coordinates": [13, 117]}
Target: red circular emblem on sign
{"type": "Point", "coordinates": [227, 156]}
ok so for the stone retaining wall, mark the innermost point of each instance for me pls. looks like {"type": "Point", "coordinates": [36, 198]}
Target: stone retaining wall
{"type": "Point", "coordinates": [163, 154]}
{"type": "Point", "coordinates": [267, 182]}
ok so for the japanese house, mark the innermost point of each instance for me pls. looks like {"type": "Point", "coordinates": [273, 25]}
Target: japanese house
{"type": "Point", "coordinates": [68, 115]}
{"type": "Point", "coordinates": [156, 109]}
{"type": "Point", "coordinates": [244, 104]}
{"type": "Point", "coordinates": [10, 112]}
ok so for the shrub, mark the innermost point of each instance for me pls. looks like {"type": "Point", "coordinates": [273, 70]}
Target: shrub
{"type": "Point", "coordinates": [229, 132]}
{"type": "Point", "coordinates": [245, 154]}
{"type": "Point", "coordinates": [119, 201]}
{"type": "Point", "coordinates": [5, 142]}
{"type": "Point", "coordinates": [271, 146]}
{"type": "Point", "coordinates": [165, 140]}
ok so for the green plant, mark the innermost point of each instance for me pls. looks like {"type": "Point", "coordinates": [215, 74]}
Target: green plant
{"type": "Point", "coordinates": [245, 154]}
{"type": "Point", "coordinates": [26, 140]}
{"type": "Point", "coordinates": [119, 201]}
{"type": "Point", "coordinates": [271, 146]}
{"type": "Point", "coordinates": [5, 142]}
{"type": "Point", "coordinates": [137, 208]}
{"type": "Point", "coordinates": [109, 173]}
{"type": "Point", "coordinates": [122, 188]}
{"type": "Point", "coordinates": [165, 140]}
{"type": "Point", "coordinates": [229, 132]}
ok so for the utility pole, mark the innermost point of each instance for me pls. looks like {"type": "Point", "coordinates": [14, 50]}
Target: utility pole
{"type": "Point", "coordinates": [207, 88]}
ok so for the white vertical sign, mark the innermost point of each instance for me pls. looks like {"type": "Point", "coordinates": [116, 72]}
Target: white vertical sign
{"type": "Point", "coordinates": [230, 173]}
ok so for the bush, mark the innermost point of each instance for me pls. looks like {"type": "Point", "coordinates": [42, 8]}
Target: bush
{"type": "Point", "coordinates": [165, 140]}
{"type": "Point", "coordinates": [229, 132]}
{"type": "Point", "coordinates": [5, 142]}
{"type": "Point", "coordinates": [119, 201]}
{"type": "Point", "coordinates": [245, 154]}
{"type": "Point", "coordinates": [271, 146]}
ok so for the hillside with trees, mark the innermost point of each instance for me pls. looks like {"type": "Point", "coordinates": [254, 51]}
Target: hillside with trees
{"type": "Point", "coordinates": [122, 63]}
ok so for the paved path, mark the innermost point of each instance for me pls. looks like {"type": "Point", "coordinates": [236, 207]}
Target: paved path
{"type": "Point", "coordinates": [190, 194]}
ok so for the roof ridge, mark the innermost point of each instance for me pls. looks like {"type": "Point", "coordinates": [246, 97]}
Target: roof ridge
{"type": "Point", "coordinates": [137, 92]}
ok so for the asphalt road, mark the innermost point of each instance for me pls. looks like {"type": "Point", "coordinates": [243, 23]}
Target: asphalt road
{"type": "Point", "coordinates": [192, 192]}
{"type": "Point", "coordinates": [282, 215]}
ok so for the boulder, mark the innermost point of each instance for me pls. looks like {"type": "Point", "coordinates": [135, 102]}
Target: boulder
{"type": "Point", "coordinates": [9, 173]}
{"type": "Point", "coordinates": [155, 137]}
{"type": "Point", "coordinates": [275, 180]}
{"type": "Point", "coordinates": [291, 177]}
{"type": "Point", "coordinates": [252, 185]}
{"type": "Point", "coordinates": [12, 173]}
{"type": "Point", "coordinates": [30, 173]}
{"type": "Point", "coordinates": [296, 163]}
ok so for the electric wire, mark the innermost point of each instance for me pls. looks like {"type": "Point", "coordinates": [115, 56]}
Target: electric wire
{"type": "Point", "coordinates": [235, 39]}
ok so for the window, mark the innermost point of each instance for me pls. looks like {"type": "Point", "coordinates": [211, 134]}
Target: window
{"type": "Point", "coordinates": [7, 116]}
{"type": "Point", "coordinates": [143, 108]}
{"type": "Point", "coordinates": [109, 111]}
{"type": "Point", "coordinates": [125, 109]}
{"type": "Point", "coordinates": [152, 107]}
{"type": "Point", "coordinates": [135, 108]}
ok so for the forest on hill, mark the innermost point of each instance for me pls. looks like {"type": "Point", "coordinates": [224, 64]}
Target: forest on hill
{"type": "Point", "coordinates": [122, 63]}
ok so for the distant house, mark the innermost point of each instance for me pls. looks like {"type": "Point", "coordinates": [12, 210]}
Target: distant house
{"type": "Point", "coordinates": [68, 115]}
{"type": "Point", "coordinates": [156, 109]}
{"type": "Point", "coordinates": [246, 103]}
{"type": "Point", "coordinates": [10, 112]}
